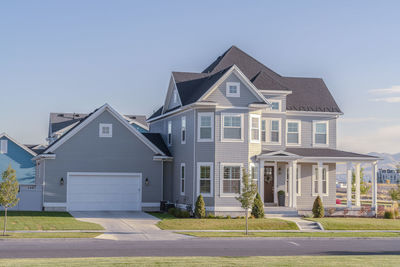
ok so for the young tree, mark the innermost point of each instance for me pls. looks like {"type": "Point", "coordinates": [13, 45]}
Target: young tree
{"type": "Point", "coordinates": [318, 208]}
{"type": "Point", "coordinates": [200, 208]}
{"type": "Point", "coordinates": [8, 192]}
{"type": "Point", "coordinates": [246, 198]}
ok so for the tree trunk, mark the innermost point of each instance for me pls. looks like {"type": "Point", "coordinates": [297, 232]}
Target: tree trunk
{"type": "Point", "coordinates": [247, 225]}
{"type": "Point", "coordinates": [5, 221]}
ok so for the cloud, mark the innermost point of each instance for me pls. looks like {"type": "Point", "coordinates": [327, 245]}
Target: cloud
{"type": "Point", "coordinates": [393, 99]}
{"type": "Point", "coordinates": [392, 90]}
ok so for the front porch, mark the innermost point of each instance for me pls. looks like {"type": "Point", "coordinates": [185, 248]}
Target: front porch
{"type": "Point", "coordinates": [302, 174]}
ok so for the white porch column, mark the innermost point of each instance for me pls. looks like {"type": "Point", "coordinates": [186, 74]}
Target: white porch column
{"type": "Point", "coordinates": [320, 166]}
{"type": "Point", "coordinates": [261, 179]}
{"type": "Point", "coordinates": [374, 181]}
{"type": "Point", "coordinates": [290, 187]}
{"type": "Point", "coordinates": [349, 185]}
{"type": "Point", "coordinates": [293, 190]}
{"type": "Point", "coordinates": [358, 198]}
{"type": "Point", "coordinates": [275, 182]}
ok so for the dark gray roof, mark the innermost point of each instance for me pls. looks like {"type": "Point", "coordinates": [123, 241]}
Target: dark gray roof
{"type": "Point", "coordinates": [158, 112]}
{"type": "Point", "coordinates": [158, 141]}
{"type": "Point", "coordinates": [324, 152]}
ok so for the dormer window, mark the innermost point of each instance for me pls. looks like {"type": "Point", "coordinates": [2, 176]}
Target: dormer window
{"type": "Point", "coordinates": [232, 89]}
{"type": "Point", "coordinates": [276, 105]}
{"type": "Point", "coordinates": [105, 130]}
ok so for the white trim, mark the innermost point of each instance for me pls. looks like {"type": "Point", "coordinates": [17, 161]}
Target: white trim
{"type": "Point", "coordinates": [276, 101]}
{"type": "Point", "coordinates": [206, 164]}
{"type": "Point", "coordinates": [228, 93]}
{"type": "Point", "coordinates": [299, 132]}
{"type": "Point", "coordinates": [298, 173]}
{"type": "Point", "coordinates": [205, 114]}
{"type": "Point", "coordinates": [183, 121]}
{"type": "Point", "coordinates": [150, 205]}
{"type": "Point", "coordinates": [241, 127]}
{"type": "Point", "coordinates": [326, 122]}
{"type": "Point", "coordinates": [276, 92]}
{"type": "Point", "coordinates": [275, 193]}
{"type": "Point", "coordinates": [268, 130]}
{"type": "Point", "coordinates": [184, 179]}
{"type": "Point", "coordinates": [90, 118]}
{"type": "Point", "coordinates": [251, 128]}
{"type": "Point", "coordinates": [18, 144]}
{"type": "Point", "coordinates": [313, 177]}
{"type": "Point", "coordinates": [105, 125]}
{"type": "Point", "coordinates": [221, 180]}
{"type": "Point", "coordinates": [54, 204]}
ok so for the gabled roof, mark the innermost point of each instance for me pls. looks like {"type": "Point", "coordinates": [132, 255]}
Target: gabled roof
{"type": "Point", "coordinates": [158, 141]}
{"type": "Point", "coordinates": [24, 147]}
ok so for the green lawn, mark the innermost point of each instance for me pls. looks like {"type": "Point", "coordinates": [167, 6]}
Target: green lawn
{"type": "Point", "coordinates": [49, 235]}
{"type": "Point", "coordinates": [387, 260]}
{"type": "Point", "coordinates": [357, 223]}
{"type": "Point", "coordinates": [225, 224]}
{"type": "Point", "coordinates": [292, 234]}
{"type": "Point", "coordinates": [40, 220]}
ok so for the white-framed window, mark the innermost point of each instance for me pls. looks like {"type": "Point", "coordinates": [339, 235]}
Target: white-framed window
{"type": "Point", "coordinates": [276, 105]}
{"type": "Point", "coordinates": [232, 89]}
{"type": "Point", "coordinates": [232, 130]}
{"type": "Point", "coordinates": [205, 177]}
{"type": "Point", "coordinates": [175, 97]}
{"type": "Point", "coordinates": [105, 130]}
{"type": "Point", "coordinates": [183, 130]}
{"type": "Point", "coordinates": [4, 146]}
{"type": "Point", "coordinates": [325, 180]}
{"type": "Point", "coordinates": [321, 133]}
{"type": "Point", "coordinates": [275, 131]}
{"type": "Point", "coordinates": [231, 178]}
{"type": "Point", "coordinates": [263, 131]}
{"type": "Point", "coordinates": [254, 172]}
{"type": "Point", "coordinates": [169, 137]}
{"type": "Point", "coordinates": [293, 132]}
{"type": "Point", "coordinates": [298, 180]}
{"type": "Point", "coordinates": [182, 178]}
{"type": "Point", "coordinates": [205, 129]}
{"type": "Point", "coordinates": [254, 128]}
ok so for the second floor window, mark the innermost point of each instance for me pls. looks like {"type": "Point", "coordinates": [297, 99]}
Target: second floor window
{"type": "Point", "coordinates": [232, 127]}
{"type": "Point", "coordinates": [205, 130]}
{"type": "Point", "coordinates": [170, 133]}
{"type": "Point", "coordinates": [274, 138]}
{"type": "Point", "coordinates": [183, 130]}
{"type": "Point", "coordinates": [276, 105]}
{"type": "Point", "coordinates": [263, 131]}
{"type": "Point", "coordinates": [293, 132]}
{"type": "Point", "coordinates": [320, 132]}
{"type": "Point", "coordinates": [255, 128]}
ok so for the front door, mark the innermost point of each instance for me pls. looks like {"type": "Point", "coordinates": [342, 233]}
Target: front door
{"type": "Point", "coordinates": [268, 184]}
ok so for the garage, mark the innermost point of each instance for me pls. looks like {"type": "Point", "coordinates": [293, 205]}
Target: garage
{"type": "Point", "coordinates": [104, 191]}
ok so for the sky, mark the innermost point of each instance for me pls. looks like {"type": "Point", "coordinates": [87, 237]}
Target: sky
{"type": "Point", "coordinates": [74, 56]}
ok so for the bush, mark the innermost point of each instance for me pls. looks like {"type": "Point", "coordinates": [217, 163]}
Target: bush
{"type": "Point", "coordinates": [210, 216]}
{"type": "Point", "coordinates": [177, 213]}
{"type": "Point", "coordinates": [200, 209]}
{"type": "Point", "coordinates": [396, 209]}
{"type": "Point", "coordinates": [184, 214]}
{"type": "Point", "coordinates": [229, 217]}
{"type": "Point", "coordinates": [318, 208]}
{"type": "Point", "coordinates": [258, 207]}
{"type": "Point", "coordinates": [388, 214]}
{"type": "Point", "coordinates": [172, 211]}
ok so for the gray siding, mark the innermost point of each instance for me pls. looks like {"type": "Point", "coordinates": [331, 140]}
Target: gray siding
{"type": "Point", "coordinates": [86, 152]}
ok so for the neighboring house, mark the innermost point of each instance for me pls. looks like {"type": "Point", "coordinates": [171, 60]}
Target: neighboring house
{"type": "Point", "coordinates": [20, 157]}
{"type": "Point", "coordinates": [388, 176]}
{"type": "Point", "coordinates": [238, 114]}
{"type": "Point", "coordinates": [101, 162]}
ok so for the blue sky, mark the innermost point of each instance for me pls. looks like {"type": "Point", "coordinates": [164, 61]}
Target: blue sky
{"type": "Point", "coordinates": [74, 56]}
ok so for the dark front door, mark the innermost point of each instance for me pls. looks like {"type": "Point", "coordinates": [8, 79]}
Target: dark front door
{"type": "Point", "coordinates": [268, 184]}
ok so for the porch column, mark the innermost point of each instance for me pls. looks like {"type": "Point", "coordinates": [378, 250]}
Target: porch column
{"type": "Point", "coordinates": [358, 199]}
{"type": "Point", "coordinates": [374, 181]}
{"type": "Point", "coordinates": [290, 187]}
{"type": "Point", "coordinates": [349, 185]}
{"type": "Point", "coordinates": [293, 189]}
{"type": "Point", "coordinates": [275, 182]}
{"type": "Point", "coordinates": [320, 166]}
{"type": "Point", "coordinates": [261, 179]}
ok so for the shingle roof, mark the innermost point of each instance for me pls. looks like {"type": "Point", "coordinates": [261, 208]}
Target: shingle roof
{"type": "Point", "coordinates": [158, 141]}
{"type": "Point", "coordinates": [324, 152]}
{"type": "Point", "coordinates": [157, 113]}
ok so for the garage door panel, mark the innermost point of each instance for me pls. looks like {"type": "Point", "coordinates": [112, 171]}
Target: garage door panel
{"type": "Point", "coordinates": [104, 192]}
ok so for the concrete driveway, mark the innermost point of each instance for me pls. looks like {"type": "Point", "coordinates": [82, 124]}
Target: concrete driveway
{"type": "Point", "coordinates": [127, 225]}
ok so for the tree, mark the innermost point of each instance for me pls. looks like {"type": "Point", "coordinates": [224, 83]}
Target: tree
{"type": "Point", "coordinates": [364, 188]}
{"type": "Point", "coordinates": [318, 208]}
{"type": "Point", "coordinates": [246, 198]}
{"type": "Point", "coordinates": [258, 207]}
{"type": "Point", "coordinates": [200, 208]}
{"type": "Point", "coordinates": [9, 188]}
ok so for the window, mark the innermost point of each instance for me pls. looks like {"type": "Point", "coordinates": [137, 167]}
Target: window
{"type": "Point", "coordinates": [183, 130]}
{"type": "Point", "coordinates": [263, 131]}
{"type": "Point", "coordinates": [254, 172]}
{"type": "Point", "coordinates": [205, 130]}
{"type": "Point", "coordinates": [169, 133]}
{"type": "Point", "coordinates": [320, 133]}
{"type": "Point", "coordinates": [276, 105]}
{"type": "Point", "coordinates": [182, 178]}
{"type": "Point", "coordinates": [274, 136]}
{"type": "Point", "coordinates": [255, 128]}
{"type": "Point", "coordinates": [293, 135]}
{"type": "Point", "coordinates": [175, 97]}
{"type": "Point", "coordinates": [205, 176]}
{"type": "Point", "coordinates": [105, 130]}
{"type": "Point", "coordinates": [4, 146]}
{"type": "Point", "coordinates": [325, 180]}
{"type": "Point", "coordinates": [271, 131]}
{"type": "Point", "coordinates": [231, 179]}
{"type": "Point", "coordinates": [232, 127]}
{"type": "Point", "coordinates": [232, 89]}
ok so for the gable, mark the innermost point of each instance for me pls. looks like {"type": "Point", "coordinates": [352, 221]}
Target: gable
{"type": "Point", "coordinates": [219, 95]}
{"type": "Point", "coordinates": [172, 100]}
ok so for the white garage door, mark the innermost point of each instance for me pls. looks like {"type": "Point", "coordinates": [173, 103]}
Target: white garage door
{"type": "Point", "coordinates": [104, 191]}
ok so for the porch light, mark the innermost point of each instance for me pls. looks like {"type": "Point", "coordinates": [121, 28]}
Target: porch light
{"type": "Point", "coordinates": [62, 181]}
{"type": "Point", "coordinates": [146, 182]}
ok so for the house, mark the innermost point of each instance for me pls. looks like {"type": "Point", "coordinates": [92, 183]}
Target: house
{"type": "Point", "coordinates": [388, 176]}
{"type": "Point", "coordinates": [20, 157]}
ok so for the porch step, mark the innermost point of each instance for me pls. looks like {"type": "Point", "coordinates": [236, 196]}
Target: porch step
{"type": "Point", "coordinates": [280, 212]}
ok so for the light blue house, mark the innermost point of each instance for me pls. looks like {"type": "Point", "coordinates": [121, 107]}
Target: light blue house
{"type": "Point", "coordinates": [20, 157]}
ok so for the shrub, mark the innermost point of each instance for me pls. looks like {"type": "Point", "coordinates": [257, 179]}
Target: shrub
{"type": "Point", "coordinates": [381, 211]}
{"type": "Point", "coordinates": [318, 208]}
{"type": "Point", "coordinates": [229, 217]}
{"type": "Point", "coordinates": [258, 207]}
{"type": "Point", "coordinates": [200, 209]}
{"type": "Point", "coordinates": [388, 214]}
{"type": "Point", "coordinates": [177, 213]}
{"type": "Point", "coordinates": [184, 214]}
{"type": "Point", "coordinates": [210, 216]}
{"type": "Point", "coordinates": [172, 211]}
{"type": "Point", "coordinates": [396, 209]}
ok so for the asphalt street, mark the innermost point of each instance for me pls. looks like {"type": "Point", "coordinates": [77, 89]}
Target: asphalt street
{"type": "Point", "coordinates": [48, 248]}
